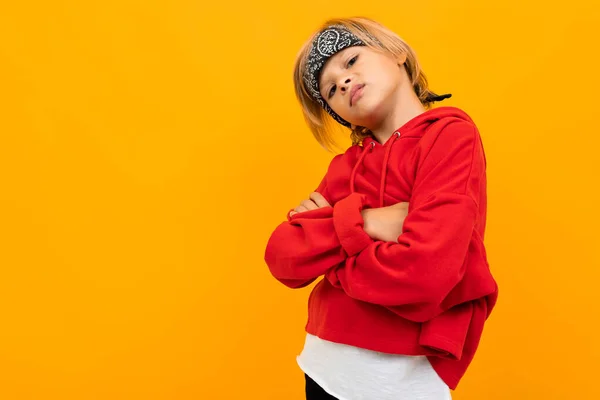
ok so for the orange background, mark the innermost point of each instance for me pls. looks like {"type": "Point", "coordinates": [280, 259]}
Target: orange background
{"type": "Point", "coordinates": [148, 148]}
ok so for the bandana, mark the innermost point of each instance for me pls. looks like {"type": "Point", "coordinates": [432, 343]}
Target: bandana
{"type": "Point", "coordinates": [329, 42]}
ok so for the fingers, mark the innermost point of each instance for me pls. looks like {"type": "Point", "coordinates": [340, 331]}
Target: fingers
{"type": "Point", "coordinates": [319, 200]}
{"type": "Point", "coordinates": [309, 205]}
{"type": "Point", "coordinates": [297, 210]}
{"type": "Point", "coordinates": [316, 201]}
{"type": "Point", "coordinates": [306, 205]}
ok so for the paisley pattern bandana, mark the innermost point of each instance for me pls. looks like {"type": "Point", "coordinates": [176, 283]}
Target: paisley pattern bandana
{"type": "Point", "coordinates": [327, 43]}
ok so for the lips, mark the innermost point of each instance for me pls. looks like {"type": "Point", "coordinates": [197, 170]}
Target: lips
{"type": "Point", "coordinates": [355, 92]}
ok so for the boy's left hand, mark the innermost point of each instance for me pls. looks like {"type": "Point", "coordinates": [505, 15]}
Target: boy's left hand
{"type": "Point", "coordinates": [315, 200]}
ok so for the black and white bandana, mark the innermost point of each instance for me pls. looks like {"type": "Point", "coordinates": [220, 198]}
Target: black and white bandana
{"type": "Point", "coordinates": [327, 43]}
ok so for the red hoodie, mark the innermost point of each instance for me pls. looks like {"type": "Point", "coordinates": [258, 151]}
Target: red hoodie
{"type": "Point", "coordinates": [431, 292]}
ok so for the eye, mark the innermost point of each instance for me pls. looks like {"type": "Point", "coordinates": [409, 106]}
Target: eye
{"type": "Point", "coordinates": [352, 61]}
{"type": "Point", "coordinates": [331, 91]}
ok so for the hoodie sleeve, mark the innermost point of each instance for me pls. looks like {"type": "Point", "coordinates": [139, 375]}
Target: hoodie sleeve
{"type": "Point", "coordinates": [412, 277]}
{"type": "Point", "coordinates": [306, 245]}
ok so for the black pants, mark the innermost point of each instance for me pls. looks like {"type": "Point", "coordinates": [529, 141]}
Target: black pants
{"type": "Point", "coordinates": [316, 392]}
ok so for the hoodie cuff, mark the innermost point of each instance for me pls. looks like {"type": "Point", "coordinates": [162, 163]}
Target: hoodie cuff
{"type": "Point", "coordinates": [349, 223]}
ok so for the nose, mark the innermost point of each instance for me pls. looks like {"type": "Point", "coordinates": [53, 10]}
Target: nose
{"type": "Point", "coordinates": [345, 84]}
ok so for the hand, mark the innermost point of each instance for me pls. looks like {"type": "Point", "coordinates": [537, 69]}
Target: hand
{"type": "Point", "coordinates": [316, 200]}
{"type": "Point", "coordinates": [385, 223]}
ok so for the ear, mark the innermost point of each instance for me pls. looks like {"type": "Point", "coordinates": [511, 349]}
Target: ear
{"type": "Point", "coordinates": [402, 59]}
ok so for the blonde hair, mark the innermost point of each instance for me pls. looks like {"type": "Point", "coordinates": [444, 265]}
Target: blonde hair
{"type": "Point", "coordinates": [375, 36]}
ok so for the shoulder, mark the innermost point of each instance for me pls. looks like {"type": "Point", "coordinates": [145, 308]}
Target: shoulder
{"type": "Point", "coordinates": [453, 138]}
{"type": "Point", "coordinates": [339, 166]}
{"type": "Point", "coordinates": [350, 155]}
{"type": "Point", "coordinates": [449, 133]}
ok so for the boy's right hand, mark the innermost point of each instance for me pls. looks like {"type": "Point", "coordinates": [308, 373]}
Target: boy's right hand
{"type": "Point", "coordinates": [385, 223]}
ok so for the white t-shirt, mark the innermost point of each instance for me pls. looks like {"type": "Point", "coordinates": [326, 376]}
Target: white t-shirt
{"type": "Point", "coordinates": [352, 373]}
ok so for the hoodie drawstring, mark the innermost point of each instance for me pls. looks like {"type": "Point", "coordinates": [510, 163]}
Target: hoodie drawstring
{"type": "Point", "coordinates": [395, 136]}
{"type": "Point", "coordinates": [386, 158]}
{"type": "Point", "coordinates": [360, 159]}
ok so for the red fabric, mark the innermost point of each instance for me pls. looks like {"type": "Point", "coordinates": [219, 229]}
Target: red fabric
{"type": "Point", "coordinates": [431, 292]}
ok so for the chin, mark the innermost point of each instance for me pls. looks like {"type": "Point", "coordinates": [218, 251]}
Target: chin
{"type": "Point", "coordinates": [368, 115]}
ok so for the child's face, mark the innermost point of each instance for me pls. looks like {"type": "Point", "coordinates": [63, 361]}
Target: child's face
{"type": "Point", "coordinates": [358, 84]}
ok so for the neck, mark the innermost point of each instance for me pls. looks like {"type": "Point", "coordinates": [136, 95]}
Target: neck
{"type": "Point", "coordinates": [404, 106]}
